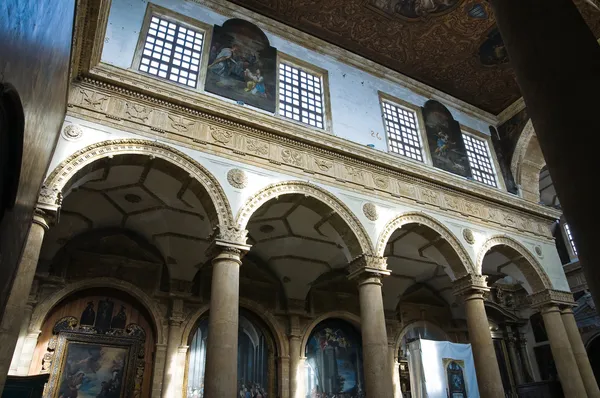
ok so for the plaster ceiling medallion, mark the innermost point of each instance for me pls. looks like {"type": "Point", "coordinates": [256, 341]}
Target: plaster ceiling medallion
{"type": "Point", "coordinates": [468, 235]}
{"type": "Point", "coordinates": [237, 178]}
{"type": "Point", "coordinates": [370, 211]}
{"type": "Point", "coordinates": [538, 251]}
{"type": "Point", "coordinates": [72, 132]}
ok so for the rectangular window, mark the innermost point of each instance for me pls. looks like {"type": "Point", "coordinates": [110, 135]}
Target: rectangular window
{"type": "Point", "coordinates": [570, 238]}
{"type": "Point", "coordinates": [480, 160]}
{"type": "Point", "coordinates": [402, 130]}
{"type": "Point", "coordinates": [301, 96]}
{"type": "Point", "coordinates": [172, 51]}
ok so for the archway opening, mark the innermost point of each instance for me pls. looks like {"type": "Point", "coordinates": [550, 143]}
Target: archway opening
{"type": "Point", "coordinates": [257, 352]}
{"type": "Point", "coordinates": [334, 360]}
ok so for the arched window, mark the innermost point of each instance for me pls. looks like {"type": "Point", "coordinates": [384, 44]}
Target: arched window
{"type": "Point", "coordinates": [456, 380]}
{"type": "Point", "coordinates": [334, 360]}
{"type": "Point", "coordinates": [256, 359]}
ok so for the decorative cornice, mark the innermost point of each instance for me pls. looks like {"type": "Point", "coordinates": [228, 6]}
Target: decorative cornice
{"type": "Point", "coordinates": [366, 266]}
{"type": "Point", "coordinates": [344, 164]}
{"type": "Point", "coordinates": [469, 284]}
{"type": "Point", "coordinates": [551, 297]}
{"type": "Point", "coordinates": [511, 110]}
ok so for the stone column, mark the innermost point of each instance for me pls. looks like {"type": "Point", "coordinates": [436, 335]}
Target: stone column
{"type": "Point", "coordinates": [19, 293]}
{"type": "Point", "coordinates": [295, 342]}
{"type": "Point", "coordinates": [394, 369]}
{"type": "Point", "coordinates": [515, 363]}
{"type": "Point", "coordinates": [27, 352]}
{"type": "Point", "coordinates": [581, 357]}
{"type": "Point", "coordinates": [524, 354]}
{"type": "Point", "coordinates": [472, 289]}
{"type": "Point", "coordinates": [221, 349]}
{"type": "Point", "coordinates": [160, 356]}
{"type": "Point", "coordinates": [552, 91]}
{"type": "Point", "coordinates": [173, 374]}
{"type": "Point", "coordinates": [368, 271]}
{"type": "Point", "coordinates": [15, 368]}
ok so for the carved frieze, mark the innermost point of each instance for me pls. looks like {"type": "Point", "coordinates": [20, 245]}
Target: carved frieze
{"type": "Point", "coordinates": [263, 148]}
{"type": "Point", "coordinates": [550, 297]}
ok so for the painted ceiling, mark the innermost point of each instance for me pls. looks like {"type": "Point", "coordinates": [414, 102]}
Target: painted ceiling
{"type": "Point", "coordinates": [451, 45]}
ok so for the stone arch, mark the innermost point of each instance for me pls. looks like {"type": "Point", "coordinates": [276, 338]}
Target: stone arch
{"type": "Point", "coordinates": [307, 189]}
{"type": "Point", "coordinates": [402, 332]}
{"type": "Point", "coordinates": [258, 310]}
{"type": "Point", "coordinates": [56, 181]}
{"type": "Point", "coordinates": [466, 265]}
{"type": "Point", "coordinates": [527, 163]}
{"type": "Point", "coordinates": [353, 319]}
{"type": "Point", "coordinates": [532, 270]}
{"type": "Point", "coordinates": [42, 310]}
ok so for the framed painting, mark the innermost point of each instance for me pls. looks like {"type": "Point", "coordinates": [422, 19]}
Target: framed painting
{"type": "Point", "coordinates": [455, 377]}
{"type": "Point", "coordinates": [85, 364]}
{"type": "Point", "coordinates": [242, 65]}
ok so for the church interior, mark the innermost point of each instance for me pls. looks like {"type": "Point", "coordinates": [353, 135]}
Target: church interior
{"type": "Point", "coordinates": [299, 199]}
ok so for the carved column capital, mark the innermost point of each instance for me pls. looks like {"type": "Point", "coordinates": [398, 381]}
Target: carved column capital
{"type": "Point", "coordinates": [551, 297]}
{"type": "Point", "coordinates": [228, 239]}
{"type": "Point", "coordinates": [368, 269]}
{"type": "Point", "coordinates": [471, 286]}
{"type": "Point", "coordinates": [50, 199]}
{"type": "Point", "coordinates": [44, 218]}
{"type": "Point", "coordinates": [176, 314]}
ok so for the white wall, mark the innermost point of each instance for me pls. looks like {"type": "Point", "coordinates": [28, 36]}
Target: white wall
{"type": "Point", "coordinates": [354, 94]}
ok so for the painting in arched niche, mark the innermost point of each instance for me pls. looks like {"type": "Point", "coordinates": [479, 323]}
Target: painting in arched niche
{"type": "Point", "coordinates": [455, 376]}
{"type": "Point", "coordinates": [334, 361]}
{"type": "Point", "coordinates": [256, 359]}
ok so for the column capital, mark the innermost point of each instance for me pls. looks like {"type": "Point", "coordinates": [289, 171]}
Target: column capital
{"type": "Point", "coordinates": [551, 297]}
{"type": "Point", "coordinates": [50, 199]}
{"type": "Point", "coordinates": [44, 218]}
{"type": "Point", "coordinates": [471, 284]}
{"type": "Point", "coordinates": [228, 238]}
{"type": "Point", "coordinates": [368, 268]}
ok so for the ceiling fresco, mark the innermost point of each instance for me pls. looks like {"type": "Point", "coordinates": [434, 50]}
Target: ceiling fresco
{"type": "Point", "coordinates": [451, 45]}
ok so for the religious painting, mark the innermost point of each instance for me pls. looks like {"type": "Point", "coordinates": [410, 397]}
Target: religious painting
{"type": "Point", "coordinates": [455, 377]}
{"type": "Point", "coordinates": [334, 361]}
{"type": "Point", "coordinates": [492, 51]}
{"type": "Point", "coordinates": [242, 65]}
{"type": "Point", "coordinates": [256, 359]}
{"type": "Point", "coordinates": [422, 8]}
{"type": "Point", "coordinates": [446, 144]}
{"type": "Point", "coordinates": [92, 371]}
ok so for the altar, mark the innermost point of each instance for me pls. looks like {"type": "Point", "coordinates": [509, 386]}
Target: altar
{"type": "Point", "coordinates": [441, 369]}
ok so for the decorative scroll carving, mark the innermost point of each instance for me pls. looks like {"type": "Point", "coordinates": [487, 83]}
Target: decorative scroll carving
{"type": "Point", "coordinates": [257, 147]}
{"type": "Point", "coordinates": [220, 135]}
{"type": "Point", "coordinates": [323, 165]}
{"type": "Point", "coordinates": [180, 124]}
{"type": "Point", "coordinates": [291, 157]}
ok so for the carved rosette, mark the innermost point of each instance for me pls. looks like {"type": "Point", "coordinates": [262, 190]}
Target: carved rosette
{"type": "Point", "coordinates": [551, 297]}
{"type": "Point", "coordinates": [468, 235]}
{"type": "Point", "coordinates": [368, 268]}
{"type": "Point", "coordinates": [370, 211]}
{"type": "Point", "coordinates": [470, 284]}
{"type": "Point", "coordinates": [72, 132]}
{"type": "Point", "coordinates": [237, 178]}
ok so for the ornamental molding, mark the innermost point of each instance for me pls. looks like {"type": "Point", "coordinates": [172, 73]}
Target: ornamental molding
{"type": "Point", "coordinates": [466, 265]}
{"type": "Point", "coordinates": [57, 181]}
{"type": "Point", "coordinates": [551, 297]}
{"type": "Point", "coordinates": [370, 211]}
{"type": "Point", "coordinates": [531, 268]}
{"type": "Point", "coordinates": [230, 236]}
{"type": "Point", "coordinates": [368, 266]}
{"type": "Point", "coordinates": [304, 188]}
{"type": "Point", "coordinates": [469, 284]}
{"type": "Point", "coordinates": [343, 165]}
{"type": "Point", "coordinates": [237, 178]}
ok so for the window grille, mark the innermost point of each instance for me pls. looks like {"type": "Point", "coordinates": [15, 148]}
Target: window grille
{"type": "Point", "coordinates": [480, 160]}
{"type": "Point", "coordinates": [570, 238]}
{"type": "Point", "coordinates": [172, 51]}
{"type": "Point", "coordinates": [301, 96]}
{"type": "Point", "coordinates": [402, 131]}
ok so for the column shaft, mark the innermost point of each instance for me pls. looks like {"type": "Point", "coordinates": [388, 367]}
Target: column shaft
{"type": "Point", "coordinates": [222, 342]}
{"type": "Point", "coordinates": [16, 359]}
{"type": "Point", "coordinates": [172, 371]}
{"type": "Point", "coordinates": [581, 357]}
{"type": "Point", "coordinates": [526, 364]}
{"type": "Point", "coordinates": [569, 375]}
{"type": "Point", "coordinates": [294, 363]}
{"type": "Point", "coordinates": [160, 355]}
{"type": "Point", "coordinates": [484, 355]}
{"type": "Point", "coordinates": [395, 372]}
{"type": "Point", "coordinates": [551, 91]}
{"type": "Point", "coordinates": [514, 360]}
{"type": "Point", "coordinates": [374, 338]}
{"type": "Point", "coordinates": [17, 299]}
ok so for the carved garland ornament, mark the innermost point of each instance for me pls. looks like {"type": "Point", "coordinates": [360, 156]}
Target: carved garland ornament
{"type": "Point", "coordinates": [370, 211]}
{"type": "Point", "coordinates": [466, 266]}
{"type": "Point", "coordinates": [535, 275]}
{"type": "Point", "coordinates": [307, 189]}
{"type": "Point", "coordinates": [67, 169]}
{"type": "Point", "coordinates": [237, 178]}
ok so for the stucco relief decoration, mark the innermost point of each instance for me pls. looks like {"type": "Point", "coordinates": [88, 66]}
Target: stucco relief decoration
{"type": "Point", "coordinates": [220, 135]}
{"type": "Point", "coordinates": [237, 178]}
{"type": "Point", "coordinates": [72, 132]}
{"type": "Point", "coordinates": [538, 251]}
{"type": "Point", "coordinates": [137, 112]}
{"type": "Point", "coordinates": [180, 124]}
{"type": "Point", "coordinates": [323, 165]}
{"type": "Point", "coordinates": [370, 211]}
{"type": "Point", "coordinates": [291, 157]}
{"type": "Point", "coordinates": [468, 235]}
{"type": "Point", "coordinates": [257, 147]}
{"type": "Point", "coordinates": [93, 99]}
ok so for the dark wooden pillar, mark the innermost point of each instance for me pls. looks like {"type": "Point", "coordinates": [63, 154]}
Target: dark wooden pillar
{"type": "Point", "coordinates": [557, 62]}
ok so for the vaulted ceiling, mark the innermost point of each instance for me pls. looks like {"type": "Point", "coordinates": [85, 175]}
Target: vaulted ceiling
{"type": "Point", "coordinates": [451, 45]}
